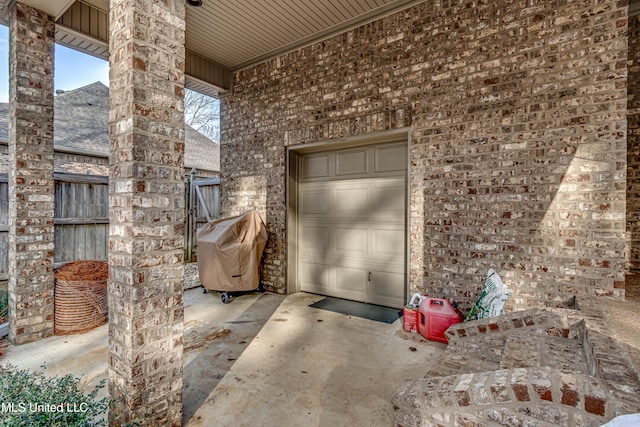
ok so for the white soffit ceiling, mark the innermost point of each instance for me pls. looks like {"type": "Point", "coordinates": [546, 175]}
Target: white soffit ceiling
{"type": "Point", "coordinates": [240, 33]}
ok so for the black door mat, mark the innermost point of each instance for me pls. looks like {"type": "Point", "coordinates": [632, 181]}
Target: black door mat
{"type": "Point", "coordinates": [373, 312]}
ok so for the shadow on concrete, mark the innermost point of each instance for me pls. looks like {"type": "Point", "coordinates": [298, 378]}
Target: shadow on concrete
{"type": "Point", "coordinates": [212, 346]}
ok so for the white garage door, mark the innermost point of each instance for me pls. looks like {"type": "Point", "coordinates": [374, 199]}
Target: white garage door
{"type": "Point", "coordinates": [352, 223]}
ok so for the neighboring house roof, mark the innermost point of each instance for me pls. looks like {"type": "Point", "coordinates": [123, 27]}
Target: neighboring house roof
{"type": "Point", "coordinates": [81, 126]}
{"type": "Point", "coordinates": [81, 120]}
{"type": "Point", "coordinates": [200, 152]}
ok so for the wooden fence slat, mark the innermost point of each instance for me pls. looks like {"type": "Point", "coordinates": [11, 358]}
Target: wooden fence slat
{"type": "Point", "coordinates": [203, 202]}
{"type": "Point", "coordinates": [78, 242]}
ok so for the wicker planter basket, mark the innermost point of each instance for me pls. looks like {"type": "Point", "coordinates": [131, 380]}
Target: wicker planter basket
{"type": "Point", "coordinates": [80, 300]}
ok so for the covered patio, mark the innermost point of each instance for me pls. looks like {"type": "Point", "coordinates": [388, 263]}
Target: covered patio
{"type": "Point", "coordinates": [391, 146]}
{"type": "Point", "coordinates": [267, 359]}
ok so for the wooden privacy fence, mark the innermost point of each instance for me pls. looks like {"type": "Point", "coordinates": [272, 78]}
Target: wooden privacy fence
{"type": "Point", "coordinates": [202, 196]}
{"type": "Point", "coordinates": [81, 216]}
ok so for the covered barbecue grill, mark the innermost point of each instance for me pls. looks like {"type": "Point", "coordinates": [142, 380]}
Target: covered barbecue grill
{"type": "Point", "coordinates": [229, 252]}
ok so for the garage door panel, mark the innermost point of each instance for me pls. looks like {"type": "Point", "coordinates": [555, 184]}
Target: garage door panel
{"type": "Point", "coordinates": [389, 243]}
{"type": "Point", "coordinates": [353, 280]}
{"type": "Point", "coordinates": [390, 158]}
{"type": "Point", "coordinates": [351, 201]}
{"type": "Point", "coordinates": [389, 202]}
{"type": "Point", "coordinates": [351, 240]}
{"type": "Point", "coordinates": [315, 238]}
{"type": "Point", "coordinates": [315, 166]}
{"type": "Point", "coordinates": [351, 162]}
{"type": "Point", "coordinates": [387, 287]}
{"type": "Point", "coordinates": [315, 276]}
{"type": "Point", "coordinates": [314, 202]}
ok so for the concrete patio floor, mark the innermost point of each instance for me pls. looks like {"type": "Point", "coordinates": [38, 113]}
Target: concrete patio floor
{"type": "Point", "coordinates": [266, 359]}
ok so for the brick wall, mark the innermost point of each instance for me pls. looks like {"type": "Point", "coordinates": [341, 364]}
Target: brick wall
{"type": "Point", "coordinates": [81, 164]}
{"type": "Point", "coordinates": [66, 162]}
{"type": "Point", "coordinates": [518, 127]}
{"type": "Point", "coordinates": [77, 163]}
{"type": "Point", "coordinates": [633, 172]}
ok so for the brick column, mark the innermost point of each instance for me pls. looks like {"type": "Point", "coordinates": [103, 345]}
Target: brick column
{"type": "Point", "coordinates": [31, 186]}
{"type": "Point", "coordinates": [146, 211]}
{"type": "Point", "coordinates": [633, 151]}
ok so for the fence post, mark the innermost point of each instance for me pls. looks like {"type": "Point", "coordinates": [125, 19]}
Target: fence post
{"type": "Point", "coordinates": [190, 217]}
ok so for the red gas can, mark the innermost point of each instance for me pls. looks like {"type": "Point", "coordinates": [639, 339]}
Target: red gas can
{"type": "Point", "coordinates": [436, 315]}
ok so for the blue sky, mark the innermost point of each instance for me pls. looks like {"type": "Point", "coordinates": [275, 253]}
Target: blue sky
{"type": "Point", "coordinates": [72, 69]}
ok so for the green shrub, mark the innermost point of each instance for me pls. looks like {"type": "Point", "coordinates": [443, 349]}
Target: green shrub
{"type": "Point", "coordinates": [35, 399]}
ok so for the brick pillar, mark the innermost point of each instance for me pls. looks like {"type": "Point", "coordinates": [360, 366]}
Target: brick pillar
{"type": "Point", "coordinates": [633, 151]}
{"type": "Point", "coordinates": [146, 211]}
{"type": "Point", "coordinates": [31, 186]}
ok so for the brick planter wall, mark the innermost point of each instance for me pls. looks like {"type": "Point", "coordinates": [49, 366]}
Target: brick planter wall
{"type": "Point", "coordinates": [518, 139]}
{"type": "Point", "coordinates": [538, 367]}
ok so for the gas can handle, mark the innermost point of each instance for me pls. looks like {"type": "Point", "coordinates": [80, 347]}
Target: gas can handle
{"type": "Point", "coordinates": [415, 300]}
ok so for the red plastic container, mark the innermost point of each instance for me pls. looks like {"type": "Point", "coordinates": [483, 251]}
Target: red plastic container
{"type": "Point", "coordinates": [410, 317]}
{"type": "Point", "coordinates": [436, 315]}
